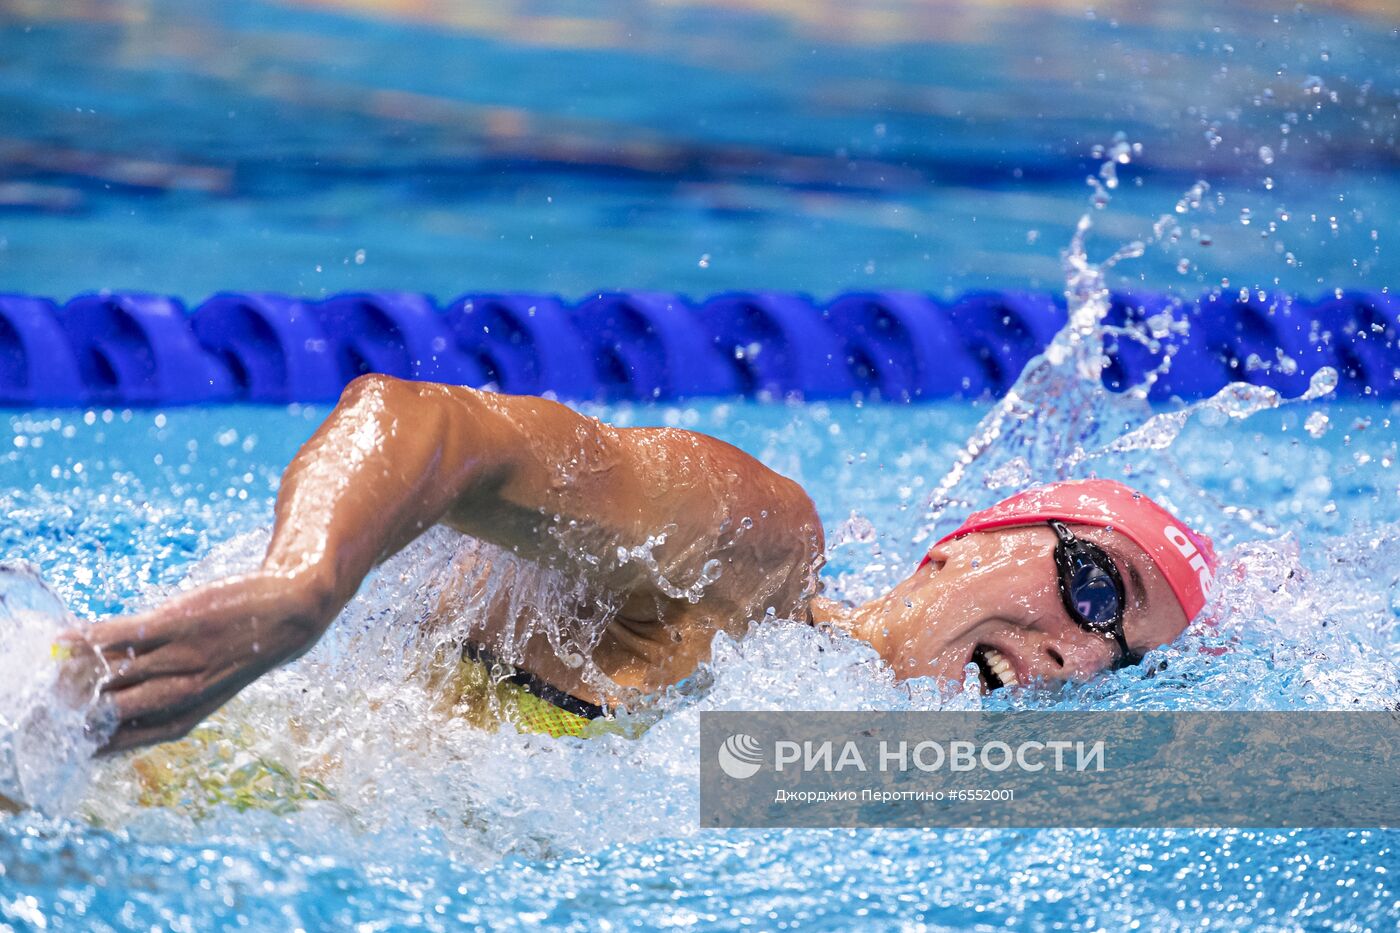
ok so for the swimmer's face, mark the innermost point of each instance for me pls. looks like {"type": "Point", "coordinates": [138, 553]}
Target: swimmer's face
{"type": "Point", "coordinates": [992, 598]}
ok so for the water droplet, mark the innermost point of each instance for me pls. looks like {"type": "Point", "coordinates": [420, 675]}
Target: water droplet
{"type": "Point", "coordinates": [1317, 424]}
{"type": "Point", "coordinates": [1266, 155]}
{"type": "Point", "coordinates": [1109, 173]}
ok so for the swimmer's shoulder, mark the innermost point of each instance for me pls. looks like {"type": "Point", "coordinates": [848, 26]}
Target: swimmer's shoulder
{"type": "Point", "coordinates": [758, 490]}
{"type": "Point", "coordinates": [767, 531]}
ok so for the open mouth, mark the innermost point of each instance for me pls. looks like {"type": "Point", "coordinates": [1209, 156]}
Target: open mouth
{"type": "Point", "coordinates": [993, 669]}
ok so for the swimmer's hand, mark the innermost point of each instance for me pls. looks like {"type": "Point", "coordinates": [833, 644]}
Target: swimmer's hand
{"type": "Point", "coordinates": [174, 665]}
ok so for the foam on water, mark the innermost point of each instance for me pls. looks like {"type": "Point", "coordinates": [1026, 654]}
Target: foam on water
{"type": "Point", "coordinates": [45, 747]}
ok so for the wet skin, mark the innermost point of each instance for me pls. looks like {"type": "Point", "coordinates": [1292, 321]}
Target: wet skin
{"type": "Point", "coordinates": [566, 492]}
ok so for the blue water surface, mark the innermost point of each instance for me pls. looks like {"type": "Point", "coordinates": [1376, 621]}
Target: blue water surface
{"type": "Point", "coordinates": [508, 831]}
{"type": "Point", "coordinates": [313, 146]}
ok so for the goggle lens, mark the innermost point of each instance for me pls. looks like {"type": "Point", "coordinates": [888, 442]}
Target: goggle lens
{"type": "Point", "coordinates": [1093, 592]}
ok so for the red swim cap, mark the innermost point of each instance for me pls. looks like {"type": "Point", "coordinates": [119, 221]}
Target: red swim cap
{"type": "Point", "coordinates": [1186, 559]}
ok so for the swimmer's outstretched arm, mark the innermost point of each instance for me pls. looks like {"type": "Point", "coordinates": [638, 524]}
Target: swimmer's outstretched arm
{"type": "Point", "coordinates": [528, 474]}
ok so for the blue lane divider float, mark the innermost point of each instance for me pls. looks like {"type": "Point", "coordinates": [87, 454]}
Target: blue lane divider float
{"type": "Point", "coordinates": [1264, 339]}
{"type": "Point", "coordinates": [396, 333]}
{"type": "Point", "coordinates": [274, 347]}
{"type": "Point", "coordinates": [1362, 331]}
{"type": "Point", "coordinates": [524, 344]}
{"type": "Point", "coordinates": [907, 346]}
{"type": "Point", "coordinates": [1003, 330]}
{"type": "Point", "coordinates": [136, 349]}
{"type": "Point", "coordinates": [37, 364]}
{"type": "Point", "coordinates": [777, 346]}
{"type": "Point", "coordinates": [1131, 362]}
{"type": "Point", "coordinates": [651, 346]}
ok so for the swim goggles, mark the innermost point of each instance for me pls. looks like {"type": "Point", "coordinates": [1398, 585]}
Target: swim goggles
{"type": "Point", "coordinates": [1092, 589]}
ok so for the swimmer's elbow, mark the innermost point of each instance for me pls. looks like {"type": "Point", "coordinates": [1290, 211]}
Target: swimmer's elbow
{"type": "Point", "coordinates": [431, 412]}
{"type": "Point", "coordinates": [376, 389]}
{"type": "Point", "coordinates": [806, 535]}
{"type": "Point", "coordinates": [425, 405]}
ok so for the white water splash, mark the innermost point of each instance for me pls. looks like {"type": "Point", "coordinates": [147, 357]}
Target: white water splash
{"type": "Point", "coordinates": [1236, 401]}
{"type": "Point", "coordinates": [1058, 422]}
{"type": "Point", "coordinates": [45, 743]}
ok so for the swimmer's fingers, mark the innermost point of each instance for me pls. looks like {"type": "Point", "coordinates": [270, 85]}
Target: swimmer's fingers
{"type": "Point", "coordinates": [155, 699]}
{"type": "Point", "coordinates": [129, 671]}
{"type": "Point", "coordinates": [131, 735]}
{"type": "Point", "coordinates": [181, 669]}
{"type": "Point", "coordinates": [159, 709]}
{"type": "Point", "coordinates": [123, 635]}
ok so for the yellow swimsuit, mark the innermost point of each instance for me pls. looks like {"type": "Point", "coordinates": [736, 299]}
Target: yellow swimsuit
{"type": "Point", "coordinates": [217, 763]}
{"type": "Point", "coordinates": [522, 699]}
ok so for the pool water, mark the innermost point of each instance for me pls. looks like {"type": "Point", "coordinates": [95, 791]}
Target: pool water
{"type": "Point", "coordinates": [433, 823]}
{"type": "Point", "coordinates": [314, 146]}
{"type": "Point", "coordinates": [323, 145]}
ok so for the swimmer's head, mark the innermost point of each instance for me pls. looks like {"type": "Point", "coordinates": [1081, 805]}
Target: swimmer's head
{"type": "Point", "coordinates": [1057, 583]}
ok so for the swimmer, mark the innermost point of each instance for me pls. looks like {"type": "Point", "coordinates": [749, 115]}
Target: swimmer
{"type": "Point", "coordinates": [674, 534]}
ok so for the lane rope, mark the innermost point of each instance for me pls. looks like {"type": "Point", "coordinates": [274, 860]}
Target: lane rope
{"type": "Point", "coordinates": [134, 349]}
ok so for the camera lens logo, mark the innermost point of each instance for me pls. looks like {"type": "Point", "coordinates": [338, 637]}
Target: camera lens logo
{"type": "Point", "coordinates": [740, 756]}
